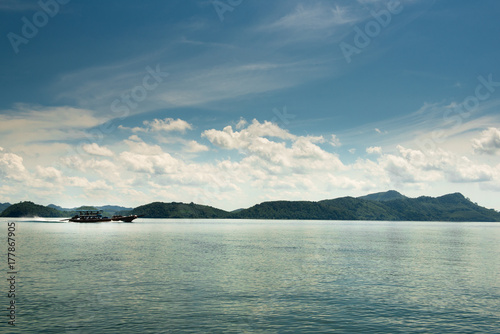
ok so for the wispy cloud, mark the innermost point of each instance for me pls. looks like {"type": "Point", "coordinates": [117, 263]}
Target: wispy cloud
{"type": "Point", "coordinates": [314, 17]}
{"type": "Point", "coordinates": [34, 124]}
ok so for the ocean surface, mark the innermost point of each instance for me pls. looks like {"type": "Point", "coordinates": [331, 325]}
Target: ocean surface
{"type": "Point", "coordinates": [237, 276]}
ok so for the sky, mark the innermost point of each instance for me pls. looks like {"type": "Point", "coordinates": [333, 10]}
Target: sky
{"type": "Point", "coordinates": [230, 103]}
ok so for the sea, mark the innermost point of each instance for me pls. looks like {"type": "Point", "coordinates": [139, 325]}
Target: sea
{"type": "Point", "coordinates": [251, 276]}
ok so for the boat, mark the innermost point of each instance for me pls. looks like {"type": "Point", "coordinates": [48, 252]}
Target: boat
{"type": "Point", "coordinates": [89, 217]}
{"type": "Point", "coordinates": [97, 217]}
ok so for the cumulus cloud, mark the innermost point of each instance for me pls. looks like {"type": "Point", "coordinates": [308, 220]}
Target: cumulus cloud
{"type": "Point", "coordinates": [193, 146]}
{"type": "Point", "coordinates": [415, 166]}
{"type": "Point", "coordinates": [374, 150]}
{"type": "Point", "coordinates": [12, 167]}
{"type": "Point", "coordinates": [166, 125]}
{"type": "Point", "coordinates": [274, 145]}
{"type": "Point", "coordinates": [95, 149]}
{"type": "Point", "coordinates": [229, 139]}
{"type": "Point", "coordinates": [140, 147]}
{"type": "Point", "coordinates": [49, 173]}
{"type": "Point", "coordinates": [151, 159]}
{"type": "Point", "coordinates": [488, 143]}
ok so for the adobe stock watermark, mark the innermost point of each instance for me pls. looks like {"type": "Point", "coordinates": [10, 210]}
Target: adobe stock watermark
{"type": "Point", "coordinates": [223, 6]}
{"type": "Point", "coordinates": [131, 99]}
{"type": "Point", "coordinates": [373, 28]}
{"type": "Point", "coordinates": [30, 28]}
{"type": "Point", "coordinates": [460, 112]}
{"type": "Point", "coordinates": [282, 116]}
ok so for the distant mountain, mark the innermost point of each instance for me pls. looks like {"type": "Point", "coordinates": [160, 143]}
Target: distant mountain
{"type": "Point", "coordinates": [4, 206]}
{"type": "Point", "coordinates": [108, 210]}
{"type": "Point", "coordinates": [114, 208]}
{"type": "Point", "coordinates": [57, 207]}
{"type": "Point", "coordinates": [384, 196]}
{"type": "Point", "coordinates": [178, 210]}
{"type": "Point", "coordinates": [30, 209]}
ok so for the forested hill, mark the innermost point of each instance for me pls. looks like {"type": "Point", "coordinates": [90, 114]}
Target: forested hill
{"type": "Point", "coordinates": [390, 205]}
{"type": "Point", "coordinates": [452, 207]}
{"type": "Point", "coordinates": [30, 209]}
{"type": "Point", "coordinates": [178, 210]}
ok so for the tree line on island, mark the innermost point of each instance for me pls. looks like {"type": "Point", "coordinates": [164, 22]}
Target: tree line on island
{"type": "Point", "coordinates": [388, 206]}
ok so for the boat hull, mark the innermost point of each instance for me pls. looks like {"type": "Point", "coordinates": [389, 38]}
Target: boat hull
{"type": "Point", "coordinates": [89, 220]}
{"type": "Point", "coordinates": [126, 219]}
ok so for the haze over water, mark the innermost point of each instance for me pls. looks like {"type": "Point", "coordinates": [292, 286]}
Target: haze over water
{"type": "Point", "coordinates": [220, 276]}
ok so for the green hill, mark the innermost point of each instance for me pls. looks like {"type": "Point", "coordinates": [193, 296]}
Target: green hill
{"type": "Point", "coordinates": [30, 209]}
{"type": "Point", "coordinates": [293, 210]}
{"type": "Point", "coordinates": [178, 210]}
{"type": "Point", "coordinates": [452, 207]}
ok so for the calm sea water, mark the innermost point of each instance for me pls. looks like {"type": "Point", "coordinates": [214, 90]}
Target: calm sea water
{"type": "Point", "coordinates": [218, 276]}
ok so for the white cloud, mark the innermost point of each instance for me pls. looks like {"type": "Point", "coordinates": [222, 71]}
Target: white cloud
{"type": "Point", "coordinates": [335, 141]}
{"type": "Point", "coordinates": [302, 155]}
{"type": "Point", "coordinates": [49, 173]}
{"type": "Point", "coordinates": [95, 149]}
{"type": "Point", "coordinates": [84, 183]}
{"type": "Point", "coordinates": [488, 143]}
{"type": "Point", "coordinates": [229, 139]}
{"type": "Point", "coordinates": [12, 167]}
{"type": "Point", "coordinates": [168, 124]}
{"type": "Point", "coordinates": [142, 148]}
{"type": "Point", "coordinates": [154, 164]}
{"type": "Point", "coordinates": [194, 146]}
{"type": "Point", "coordinates": [241, 124]}
{"type": "Point", "coordinates": [374, 150]}
{"type": "Point", "coordinates": [135, 138]}
{"type": "Point", "coordinates": [415, 166]}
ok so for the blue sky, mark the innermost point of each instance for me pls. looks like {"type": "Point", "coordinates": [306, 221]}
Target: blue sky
{"type": "Point", "coordinates": [230, 103]}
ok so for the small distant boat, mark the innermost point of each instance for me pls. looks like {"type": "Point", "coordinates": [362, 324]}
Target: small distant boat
{"type": "Point", "coordinates": [97, 217]}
